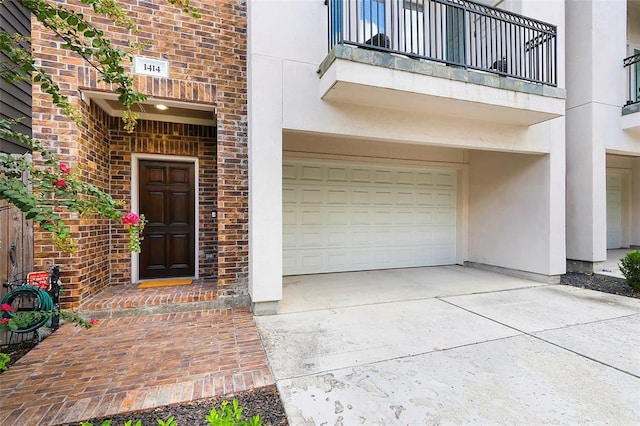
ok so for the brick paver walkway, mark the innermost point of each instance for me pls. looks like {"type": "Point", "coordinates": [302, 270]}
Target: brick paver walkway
{"type": "Point", "coordinates": [132, 363]}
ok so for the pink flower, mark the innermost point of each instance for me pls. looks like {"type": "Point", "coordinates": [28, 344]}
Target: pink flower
{"type": "Point", "coordinates": [64, 168]}
{"type": "Point", "coordinates": [6, 307]}
{"type": "Point", "coordinates": [60, 184]}
{"type": "Point", "coordinates": [93, 321]}
{"type": "Point", "coordinates": [130, 218]}
{"type": "Point", "coordinates": [4, 321]}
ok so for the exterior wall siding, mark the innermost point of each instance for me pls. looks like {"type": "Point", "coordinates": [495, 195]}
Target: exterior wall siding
{"type": "Point", "coordinates": [15, 96]}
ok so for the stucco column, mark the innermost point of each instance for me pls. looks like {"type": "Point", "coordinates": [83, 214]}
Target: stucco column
{"type": "Point", "coordinates": [265, 183]}
{"type": "Point", "coordinates": [596, 43]}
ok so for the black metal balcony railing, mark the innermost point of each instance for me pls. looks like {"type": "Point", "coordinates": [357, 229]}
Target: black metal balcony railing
{"type": "Point", "coordinates": [632, 66]}
{"type": "Point", "coordinates": [456, 32]}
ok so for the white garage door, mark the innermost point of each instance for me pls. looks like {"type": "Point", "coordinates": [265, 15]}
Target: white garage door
{"type": "Point", "coordinates": [339, 217]}
{"type": "Point", "coordinates": [614, 211]}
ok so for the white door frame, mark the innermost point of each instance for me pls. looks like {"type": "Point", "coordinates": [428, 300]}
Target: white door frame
{"type": "Point", "coordinates": [135, 202]}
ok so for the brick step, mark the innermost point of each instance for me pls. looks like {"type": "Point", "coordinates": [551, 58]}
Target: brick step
{"type": "Point", "coordinates": [166, 308]}
{"type": "Point", "coordinates": [121, 301]}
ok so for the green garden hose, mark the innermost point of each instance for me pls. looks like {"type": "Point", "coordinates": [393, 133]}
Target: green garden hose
{"type": "Point", "coordinates": [44, 303]}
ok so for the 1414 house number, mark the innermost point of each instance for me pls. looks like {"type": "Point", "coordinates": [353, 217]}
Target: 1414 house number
{"type": "Point", "coordinates": [151, 66]}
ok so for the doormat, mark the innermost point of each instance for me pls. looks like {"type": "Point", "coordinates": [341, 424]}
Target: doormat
{"type": "Point", "coordinates": [165, 283]}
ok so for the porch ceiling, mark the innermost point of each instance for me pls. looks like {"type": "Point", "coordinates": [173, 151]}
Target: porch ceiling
{"type": "Point", "coordinates": [175, 111]}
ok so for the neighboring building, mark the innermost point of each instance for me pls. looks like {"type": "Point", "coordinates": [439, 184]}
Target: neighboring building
{"type": "Point", "coordinates": [185, 168]}
{"type": "Point", "coordinates": [603, 130]}
{"type": "Point", "coordinates": [401, 133]}
{"type": "Point", "coordinates": [16, 243]}
{"type": "Point", "coordinates": [15, 96]}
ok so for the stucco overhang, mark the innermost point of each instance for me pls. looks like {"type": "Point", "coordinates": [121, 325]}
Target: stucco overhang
{"type": "Point", "coordinates": [630, 120]}
{"type": "Point", "coordinates": [366, 77]}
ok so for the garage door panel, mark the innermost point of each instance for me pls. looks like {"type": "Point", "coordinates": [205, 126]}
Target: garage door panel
{"type": "Point", "coordinates": [405, 217]}
{"type": "Point", "coordinates": [405, 178]}
{"type": "Point", "coordinates": [405, 198]}
{"type": "Point", "coordinates": [356, 217]}
{"type": "Point", "coordinates": [424, 217]}
{"type": "Point", "coordinates": [337, 217]}
{"type": "Point", "coordinates": [445, 179]}
{"type": "Point", "coordinates": [614, 211]}
{"type": "Point", "coordinates": [361, 238]}
{"type": "Point", "coordinates": [383, 217]}
{"type": "Point", "coordinates": [337, 174]}
{"type": "Point", "coordinates": [337, 238]}
{"type": "Point", "coordinates": [444, 217]}
{"type": "Point", "coordinates": [338, 196]}
{"type": "Point", "coordinates": [382, 176]}
{"type": "Point", "coordinates": [289, 238]}
{"type": "Point", "coordinates": [424, 198]}
{"type": "Point", "coordinates": [311, 217]}
{"type": "Point", "coordinates": [361, 175]}
{"type": "Point", "coordinates": [337, 261]}
{"type": "Point", "coordinates": [289, 195]}
{"type": "Point", "coordinates": [312, 261]}
{"type": "Point", "coordinates": [360, 217]}
{"type": "Point", "coordinates": [289, 172]}
{"type": "Point", "coordinates": [424, 178]}
{"type": "Point", "coordinates": [311, 196]}
{"type": "Point", "coordinates": [312, 239]}
{"type": "Point", "coordinates": [382, 198]}
{"type": "Point", "coordinates": [444, 199]}
{"type": "Point", "coordinates": [311, 173]}
{"type": "Point", "coordinates": [289, 218]}
{"type": "Point", "coordinates": [360, 258]}
{"type": "Point", "coordinates": [360, 197]}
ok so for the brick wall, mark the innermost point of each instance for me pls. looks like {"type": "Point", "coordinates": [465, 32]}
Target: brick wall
{"type": "Point", "coordinates": [207, 59]}
{"type": "Point", "coordinates": [87, 270]}
{"type": "Point", "coordinates": [153, 137]}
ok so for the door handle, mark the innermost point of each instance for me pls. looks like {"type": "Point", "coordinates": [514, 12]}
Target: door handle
{"type": "Point", "coordinates": [12, 254]}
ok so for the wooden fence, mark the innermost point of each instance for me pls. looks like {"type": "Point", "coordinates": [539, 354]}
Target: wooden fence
{"type": "Point", "coordinates": [16, 254]}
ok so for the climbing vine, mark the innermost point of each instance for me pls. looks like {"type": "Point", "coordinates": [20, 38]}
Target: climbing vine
{"type": "Point", "coordinates": [45, 189]}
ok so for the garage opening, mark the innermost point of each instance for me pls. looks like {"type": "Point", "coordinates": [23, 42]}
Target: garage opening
{"type": "Point", "coordinates": [348, 217]}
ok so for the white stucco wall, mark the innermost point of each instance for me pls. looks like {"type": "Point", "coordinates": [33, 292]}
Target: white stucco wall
{"type": "Point", "coordinates": [597, 39]}
{"type": "Point", "coordinates": [516, 210]}
{"type": "Point", "coordinates": [287, 42]}
{"type": "Point", "coordinates": [505, 227]}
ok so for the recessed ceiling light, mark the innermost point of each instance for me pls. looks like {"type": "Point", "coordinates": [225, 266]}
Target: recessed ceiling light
{"type": "Point", "coordinates": [162, 107]}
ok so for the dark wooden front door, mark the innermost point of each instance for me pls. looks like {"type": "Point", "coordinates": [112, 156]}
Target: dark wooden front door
{"type": "Point", "coordinates": [167, 201]}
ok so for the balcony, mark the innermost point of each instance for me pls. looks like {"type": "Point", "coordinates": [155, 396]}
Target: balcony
{"type": "Point", "coordinates": [444, 57]}
{"type": "Point", "coordinates": [631, 66]}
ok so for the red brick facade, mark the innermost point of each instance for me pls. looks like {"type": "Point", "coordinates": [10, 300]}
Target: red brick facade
{"type": "Point", "coordinates": [207, 58]}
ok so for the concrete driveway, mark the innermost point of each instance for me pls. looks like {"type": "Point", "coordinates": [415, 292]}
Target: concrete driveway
{"type": "Point", "coordinates": [452, 345]}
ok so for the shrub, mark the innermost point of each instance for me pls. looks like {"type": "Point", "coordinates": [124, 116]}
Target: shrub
{"type": "Point", "coordinates": [227, 415]}
{"type": "Point", "coordinates": [630, 268]}
{"type": "Point", "coordinates": [230, 416]}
